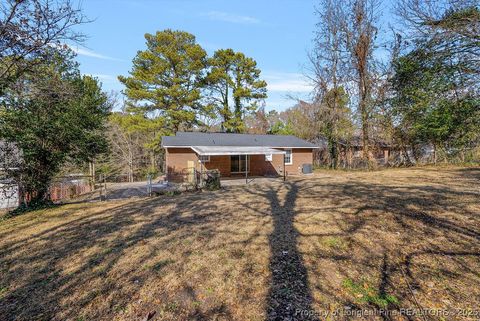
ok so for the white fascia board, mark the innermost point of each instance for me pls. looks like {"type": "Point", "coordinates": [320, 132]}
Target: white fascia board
{"type": "Point", "coordinates": [235, 150]}
{"type": "Point", "coordinates": [246, 146]}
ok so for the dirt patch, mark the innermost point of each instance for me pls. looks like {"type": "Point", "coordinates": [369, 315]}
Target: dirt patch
{"type": "Point", "coordinates": [335, 241]}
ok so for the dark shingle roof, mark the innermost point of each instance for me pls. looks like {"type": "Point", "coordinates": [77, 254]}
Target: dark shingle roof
{"type": "Point", "coordinates": [227, 139]}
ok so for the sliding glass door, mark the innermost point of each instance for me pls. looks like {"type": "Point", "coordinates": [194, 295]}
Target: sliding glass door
{"type": "Point", "coordinates": [238, 163]}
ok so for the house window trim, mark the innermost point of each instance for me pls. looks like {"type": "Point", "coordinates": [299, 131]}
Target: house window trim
{"type": "Point", "coordinates": [291, 156]}
{"type": "Point", "coordinates": [202, 160]}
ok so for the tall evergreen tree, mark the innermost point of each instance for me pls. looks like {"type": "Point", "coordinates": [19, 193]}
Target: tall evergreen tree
{"type": "Point", "coordinates": [166, 80]}
{"type": "Point", "coordinates": [436, 97]}
{"type": "Point", "coordinates": [53, 116]}
{"type": "Point", "coordinates": [234, 78]}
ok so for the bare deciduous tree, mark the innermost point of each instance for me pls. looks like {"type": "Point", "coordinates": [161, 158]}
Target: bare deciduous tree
{"type": "Point", "coordinates": [360, 35]}
{"type": "Point", "coordinates": [28, 27]}
{"type": "Point", "coordinates": [328, 62]}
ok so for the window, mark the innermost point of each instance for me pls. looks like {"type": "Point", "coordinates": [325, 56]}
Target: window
{"type": "Point", "coordinates": [288, 157]}
{"type": "Point", "coordinates": [203, 158]}
{"type": "Point", "coordinates": [238, 163]}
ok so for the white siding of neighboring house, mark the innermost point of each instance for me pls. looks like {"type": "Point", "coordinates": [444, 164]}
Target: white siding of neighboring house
{"type": "Point", "coordinates": [8, 196]}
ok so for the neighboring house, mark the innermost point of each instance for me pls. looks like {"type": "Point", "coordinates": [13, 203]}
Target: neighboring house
{"type": "Point", "coordinates": [379, 150]}
{"type": "Point", "coordinates": [9, 195]}
{"type": "Point", "coordinates": [9, 159]}
{"type": "Point", "coordinates": [235, 154]}
{"type": "Point", "coordinates": [62, 188]}
{"type": "Point", "coordinates": [351, 152]}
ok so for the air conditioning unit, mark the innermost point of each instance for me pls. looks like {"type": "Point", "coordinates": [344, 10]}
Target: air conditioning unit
{"type": "Point", "coordinates": [307, 169]}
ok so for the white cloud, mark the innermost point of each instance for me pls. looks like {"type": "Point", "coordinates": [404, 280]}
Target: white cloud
{"type": "Point", "coordinates": [229, 17]}
{"type": "Point", "coordinates": [88, 53]}
{"type": "Point", "coordinates": [287, 82]}
{"type": "Point", "coordinates": [278, 104]}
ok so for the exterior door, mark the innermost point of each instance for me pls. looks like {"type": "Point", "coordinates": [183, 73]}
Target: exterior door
{"type": "Point", "coordinates": [238, 164]}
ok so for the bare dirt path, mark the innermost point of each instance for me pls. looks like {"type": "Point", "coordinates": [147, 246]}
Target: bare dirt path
{"type": "Point", "coordinates": [117, 191]}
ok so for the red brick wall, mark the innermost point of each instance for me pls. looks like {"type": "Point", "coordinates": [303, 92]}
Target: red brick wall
{"type": "Point", "coordinates": [222, 163]}
{"type": "Point", "coordinates": [300, 156]}
{"type": "Point", "coordinates": [177, 161]}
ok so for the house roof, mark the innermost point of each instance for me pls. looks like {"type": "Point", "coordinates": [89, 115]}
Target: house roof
{"type": "Point", "coordinates": [189, 139]}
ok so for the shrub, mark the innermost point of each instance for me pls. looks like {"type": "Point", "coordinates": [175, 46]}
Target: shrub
{"type": "Point", "coordinates": [212, 180]}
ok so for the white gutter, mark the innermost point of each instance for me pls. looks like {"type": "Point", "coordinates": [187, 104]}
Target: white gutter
{"type": "Point", "coordinates": [231, 150]}
{"type": "Point", "coordinates": [294, 147]}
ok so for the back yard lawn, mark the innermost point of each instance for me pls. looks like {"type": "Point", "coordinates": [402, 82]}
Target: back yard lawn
{"type": "Point", "coordinates": [393, 239]}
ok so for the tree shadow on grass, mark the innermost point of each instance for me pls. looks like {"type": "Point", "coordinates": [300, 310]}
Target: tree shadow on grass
{"type": "Point", "coordinates": [367, 232]}
{"type": "Point", "coordinates": [417, 236]}
{"type": "Point", "coordinates": [289, 297]}
{"type": "Point", "coordinates": [38, 286]}
{"type": "Point", "coordinates": [385, 228]}
{"type": "Point", "coordinates": [470, 173]}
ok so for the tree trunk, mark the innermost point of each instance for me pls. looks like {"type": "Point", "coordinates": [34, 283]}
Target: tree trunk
{"type": "Point", "coordinates": [238, 104]}
{"type": "Point", "coordinates": [238, 116]}
{"type": "Point", "coordinates": [92, 174]}
{"type": "Point", "coordinates": [333, 154]}
{"type": "Point", "coordinates": [225, 111]}
{"type": "Point", "coordinates": [364, 116]}
{"type": "Point", "coordinates": [21, 195]}
{"type": "Point", "coordinates": [130, 166]}
{"type": "Point", "coordinates": [415, 153]}
{"type": "Point", "coordinates": [40, 195]}
{"type": "Point", "coordinates": [153, 163]}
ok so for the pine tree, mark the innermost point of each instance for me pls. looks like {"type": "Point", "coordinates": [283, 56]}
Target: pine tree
{"type": "Point", "coordinates": [233, 77]}
{"type": "Point", "coordinates": [166, 80]}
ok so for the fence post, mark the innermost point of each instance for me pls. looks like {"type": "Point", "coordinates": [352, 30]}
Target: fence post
{"type": "Point", "coordinates": [149, 184]}
{"type": "Point", "coordinates": [100, 178]}
{"type": "Point", "coordinates": [105, 185]}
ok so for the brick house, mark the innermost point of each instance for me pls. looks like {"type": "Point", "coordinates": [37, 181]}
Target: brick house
{"type": "Point", "coordinates": [235, 154]}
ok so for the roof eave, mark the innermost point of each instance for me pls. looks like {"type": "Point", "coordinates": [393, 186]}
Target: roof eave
{"type": "Point", "coordinates": [289, 147]}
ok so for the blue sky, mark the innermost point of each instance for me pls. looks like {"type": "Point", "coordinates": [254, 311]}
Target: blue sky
{"type": "Point", "coordinates": [276, 33]}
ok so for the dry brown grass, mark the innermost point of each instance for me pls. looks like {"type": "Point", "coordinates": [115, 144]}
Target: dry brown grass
{"type": "Point", "coordinates": [367, 240]}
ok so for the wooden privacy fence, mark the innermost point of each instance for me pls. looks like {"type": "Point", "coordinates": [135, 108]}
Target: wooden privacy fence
{"type": "Point", "coordinates": [62, 188]}
{"type": "Point", "coordinates": [68, 187]}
